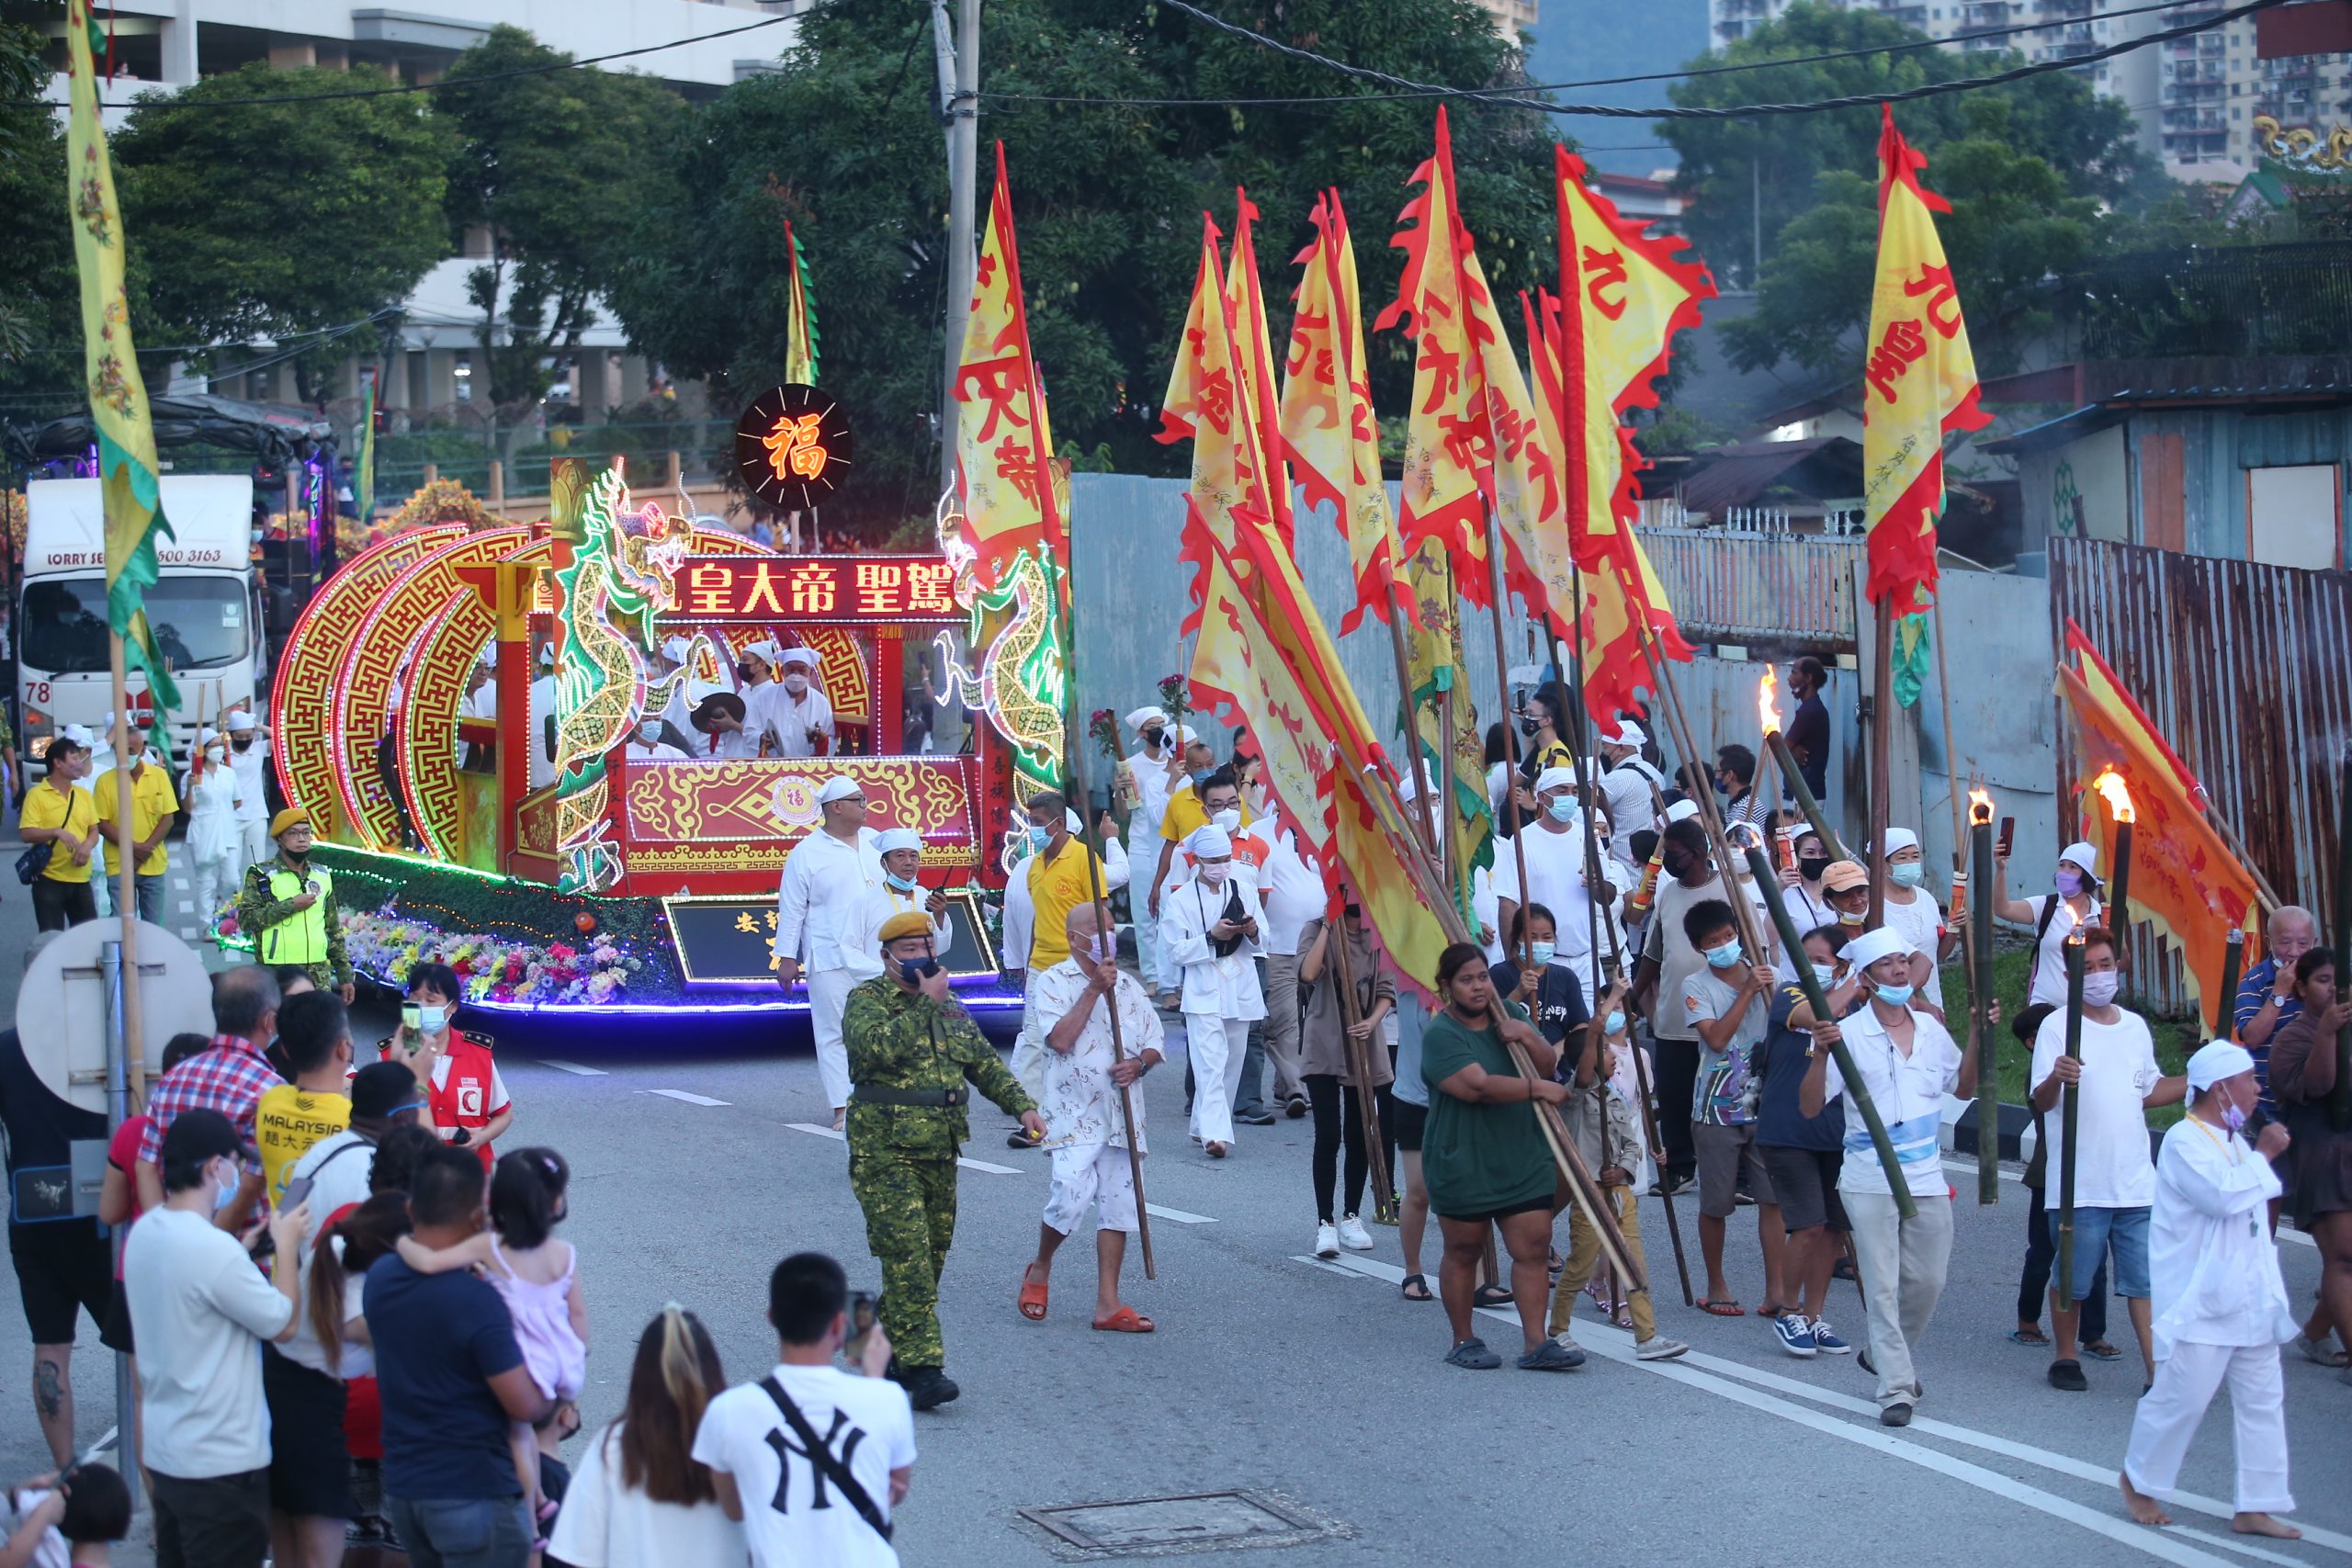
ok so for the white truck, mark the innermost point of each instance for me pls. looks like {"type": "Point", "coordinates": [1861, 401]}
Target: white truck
{"type": "Point", "coordinates": [206, 610]}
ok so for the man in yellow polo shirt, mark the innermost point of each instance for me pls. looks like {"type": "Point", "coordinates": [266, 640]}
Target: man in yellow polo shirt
{"type": "Point", "coordinates": [60, 813]}
{"type": "Point", "coordinates": [1061, 874]}
{"type": "Point", "coordinates": [152, 806]}
{"type": "Point", "coordinates": [288, 908]}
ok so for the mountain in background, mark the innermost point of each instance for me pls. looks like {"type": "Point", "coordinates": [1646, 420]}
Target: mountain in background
{"type": "Point", "coordinates": [1578, 39]}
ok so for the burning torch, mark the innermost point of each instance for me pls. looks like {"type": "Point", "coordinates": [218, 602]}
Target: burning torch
{"type": "Point", "coordinates": [2111, 789]}
{"type": "Point", "coordinates": [1979, 1025]}
{"type": "Point", "coordinates": [1777, 745]}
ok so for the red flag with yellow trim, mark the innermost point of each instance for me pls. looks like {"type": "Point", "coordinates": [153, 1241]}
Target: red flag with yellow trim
{"type": "Point", "coordinates": [1004, 442]}
{"type": "Point", "coordinates": [2127, 716]}
{"type": "Point", "coordinates": [1918, 380]}
{"type": "Point", "coordinates": [1327, 423]}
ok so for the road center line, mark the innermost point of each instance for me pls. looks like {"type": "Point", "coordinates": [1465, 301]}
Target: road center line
{"type": "Point", "coordinates": [1617, 1344]}
{"type": "Point", "coordinates": [572, 1067]}
{"type": "Point", "coordinates": [683, 1096]}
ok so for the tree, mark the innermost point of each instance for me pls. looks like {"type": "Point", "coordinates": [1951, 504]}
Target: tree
{"type": "Point", "coordinates": [549, 166]}
{"type": "Point", "coordinates": [845, 141]}
{"type": "Point", "coordinates": [2089, 141]}
{"type": "Point", "coordinates": [281, 217]}
{"type": "Point", "coordinates": [38, 310]}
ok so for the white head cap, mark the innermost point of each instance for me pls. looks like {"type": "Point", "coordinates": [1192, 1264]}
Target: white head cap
{"type": "Point", "coordinates": [765, 652]}
{"type": "Point", "coordinates": [1682, 811]}
{"type": "Point", "coordinates": [1211, 842]}
{"type": "Point", "coordinates": [804, 657]}
{"type": "Point", "coordinates": [840, 786]}
{"type": "Point", "coordinates": [891, 839]}
{"type": "Point", "coordinates": [77, 733]}
{"type": "Point", "coordinates": [1410, 785]}
{"type": "Point", "coordinates": [1144, 715]}
{"type": "Point", "coordinates": [2082, 855]}
{"type": "Point", "coordinates": [673, 649]}
{"type": "Point", "coordinates": [1898, 838]}
{"type": "Point", "coordinates": [1555, 778]}
{"type": "Point", "coordinates": [1629, 734]}
{"type": "Point", "coordinates": [205, 738]}
{"type": "Point", "coordinates": [1187, 734]}
{"type": "Point", "coordinates": [240, 721]}
{"type": "Point", "coordinates": [1870, 946]}
{"type": "Point", "coordinates": [2218, 1060]}
{"type": "Point", "coordinates": [1070, 821]}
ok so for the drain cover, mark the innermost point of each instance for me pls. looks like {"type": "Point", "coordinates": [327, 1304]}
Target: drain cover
{"type": "Point", "coordinates": [1200, 1521]}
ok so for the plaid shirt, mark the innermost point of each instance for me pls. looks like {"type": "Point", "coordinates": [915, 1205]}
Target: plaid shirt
{"type": "Point", "coordinates": [230, 1077]}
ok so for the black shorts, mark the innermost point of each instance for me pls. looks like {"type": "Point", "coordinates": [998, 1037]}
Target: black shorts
{"type": "Point", "coordinates": [309, 1466]}
{"type": "Point", "coordinates": [1496, 1216]}
{"type": "Point", "coordinates": [1805, 1181]}
{"type": "Point", "coordinates": [1412, 1121]}
{"type": "Point", "coordinates": [115, 1333]}
{"type": "Point", "coordinates": [62, 1266]}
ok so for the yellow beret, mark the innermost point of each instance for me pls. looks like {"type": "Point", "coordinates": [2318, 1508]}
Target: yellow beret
{"type": "Point", "coordinates": [288, 818]}
{"type": "Point", "coordinates": [906, 922]}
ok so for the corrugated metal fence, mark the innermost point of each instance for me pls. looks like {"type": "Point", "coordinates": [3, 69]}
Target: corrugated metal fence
{"type": "Point", "coordinates": [2247, 669]}
{"type": "Point", "coordinates": [1790, 590]}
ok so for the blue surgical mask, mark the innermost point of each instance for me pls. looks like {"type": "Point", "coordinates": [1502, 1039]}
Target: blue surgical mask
{"type": "Point", "coordinates": [901, 884]}
{"type": "Point", "coordinates": [1201, 777]}
{"type": "Point", "coordinates": [1563, 807]}
{"type": "Point", "coordinates": [1826, 973]}
{"type": "Point", "coordinates": [1615, 1022]}
{"type": "Point", "coordinates": [1723, 957]}
{"type": "Point", "coordinates": [1894, 996]}
{"type": "Point", "coordinates": [1038, 839]}
{"type": "Point", "coordinates": [228, 1193]}
{"type": "Point", "coordinates": [1910, 874]}
{"type": "Point", "coordinates": [1540, 952]}
{"type": "Point", "coordinates": [433, 1019]}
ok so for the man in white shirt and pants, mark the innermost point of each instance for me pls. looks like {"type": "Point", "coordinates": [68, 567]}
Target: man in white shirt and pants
{"type": "Point", "coordinates": [1554, 846]}
{"type": "Point", "coordinates": [796, 714]}
{"type": "Point", "coordinates": [2221, 1306]}
{"type": "Point", "coordinates": [826, 879]}
{"type": "Point", "coordinates": [1293, 894]}
{"type": "Point", "coordinates": [249, 760]}
{"type": "Point", "coordinates": [1150, 767]}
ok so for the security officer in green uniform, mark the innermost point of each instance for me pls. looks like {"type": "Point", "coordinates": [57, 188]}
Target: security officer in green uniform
{"type": "Point", "coordinates": [911, 1048]}
{"type": "Point", "coordinates": [288, 908]}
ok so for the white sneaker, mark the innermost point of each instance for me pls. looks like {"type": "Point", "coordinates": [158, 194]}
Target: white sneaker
{"type": "Point", "coordinates": [1657, 1348]}
{"type": "Point", "coordinates": [1327, 1241]}
{"type": "Point", "coordinates": [1352, 1236]}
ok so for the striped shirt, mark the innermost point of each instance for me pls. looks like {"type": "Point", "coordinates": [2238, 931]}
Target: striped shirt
{"type": "Point", "coordinates": [1909, 1093]}
{"type": "Point", "coordinates": [230, 1076]}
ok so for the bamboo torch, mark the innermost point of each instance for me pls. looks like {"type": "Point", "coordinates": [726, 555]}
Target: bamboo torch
{"type": "Point", "coordinates": [2118, 796]}
{"type": "Point", "coordinates": [1768, 718]}
{"type": "Point", "coordinates": [1778, 744]}
{"type": "Point", "coordinates": [2233, 967]}
{"type": "Point", "coordinates": [1792, 941]}
{"type": "Point", "coordinates": [2068, 1110]}
{"type": "Point", "coordinates": [1980, 1024]}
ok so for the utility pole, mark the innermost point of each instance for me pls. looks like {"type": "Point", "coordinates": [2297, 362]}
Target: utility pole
{"type": "Point", "coordinates": [959, 106]}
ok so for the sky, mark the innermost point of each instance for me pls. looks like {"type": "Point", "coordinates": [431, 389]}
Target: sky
{"type": "Point", "coordinates": [1578, 39]}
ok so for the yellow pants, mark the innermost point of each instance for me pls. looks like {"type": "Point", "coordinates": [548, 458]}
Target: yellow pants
{"type": "Point", "coordinates": [1584, 1255]}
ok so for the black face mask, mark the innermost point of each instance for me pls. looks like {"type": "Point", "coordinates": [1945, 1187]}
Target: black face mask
{"type": "Point", "coordinates": [915, 971]}
{"type": "Point", "coordinates": [1810, 867]}
{"type": "Point", "coordinates": [1528, 726]}
{"type": "Point", "coordinates": [244, 745]}
{"type": "Point", "coordinates": [1152, 738]}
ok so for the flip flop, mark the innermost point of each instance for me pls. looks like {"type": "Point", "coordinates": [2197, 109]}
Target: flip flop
{"type": "Point", "coordinates": [2028, 1337]}
{"type": "Point", "coordinates": [1721, 1309]}
{"type": "Point", "coordinates": [2100, 1350]}
{"type": "Point", "coordinates": [1409, 1282]}
{"type": "Point", "coordinates": [1490, 1296]}
{"type": "Point", "coordinates": [1126, 1320]}
{"type": "Point", "coordinates": [1032, 1300]}
{"type": "Point", "coordinates": [1771, 1309]}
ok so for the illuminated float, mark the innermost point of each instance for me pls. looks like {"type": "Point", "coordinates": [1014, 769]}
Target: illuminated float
{"type": "Point", "coordinates": [609, 883]}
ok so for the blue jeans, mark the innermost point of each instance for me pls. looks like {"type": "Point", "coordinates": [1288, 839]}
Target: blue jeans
{"type": "Point", "coordinates": [463, 1533]}
{"type": "Point", "coordinates": [2125, 1231]}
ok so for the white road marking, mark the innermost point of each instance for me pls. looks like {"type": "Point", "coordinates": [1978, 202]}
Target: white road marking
{"type": "Point", "coordinates": [843, 1138]}
{"type": "Point", "coordinates": [2236, 1543]}
{"type": "Point", "coordinates": [683, 1096]}
{"type": "Point", "coordinates": [569, 1067]}
{"type": "Point", "coordinates": [1617, 1344]}
{"type": "Point", "coordinates": [1182, 1217]}
{"type": "Point", "coordinates": [1327, 1268]}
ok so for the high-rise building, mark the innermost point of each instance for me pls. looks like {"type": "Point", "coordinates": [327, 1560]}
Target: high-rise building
{"type": "Point", "coordinates": [1511, 15]}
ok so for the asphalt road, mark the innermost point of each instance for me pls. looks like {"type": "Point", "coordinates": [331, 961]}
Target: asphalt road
{"type": "Point", "coordinates": [695, 1170]}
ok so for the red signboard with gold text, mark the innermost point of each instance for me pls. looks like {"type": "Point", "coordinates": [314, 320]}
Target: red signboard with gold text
{"type": "Point", "coordinates": [827, 588]}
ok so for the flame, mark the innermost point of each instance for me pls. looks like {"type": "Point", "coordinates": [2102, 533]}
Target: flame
{"type": "Point", "coordinates": [2109, 784]}
{"type": "Point", "coordinates": [1980, 806]}
{"type": "Point", "coordinates": [1768, 700]}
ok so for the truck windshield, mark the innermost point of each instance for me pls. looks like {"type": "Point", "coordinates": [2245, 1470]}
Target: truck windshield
{"type": "Point", "coordinates": [200, 623]}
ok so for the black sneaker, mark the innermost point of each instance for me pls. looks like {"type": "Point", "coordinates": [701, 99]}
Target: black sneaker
{"type": "Point", "coordinates": [1260, 1117]}
{"type": "Point", "coordinates": [1862, 1359]}
{"type": "Point", "coordinates": [1295, 1108]}
{"type": "Point", "coordinates": [927, 1386]}
{"type": "Point", "coordinates": [1895, 1415]}
{"type": "Point", "coordinates": [2068, 1376]}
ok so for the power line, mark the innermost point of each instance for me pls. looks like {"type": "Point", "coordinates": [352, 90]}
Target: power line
{"type": "Point", "coordinates": [1503, 99]}
{"type": "Point", "coordinates": [446, 81]}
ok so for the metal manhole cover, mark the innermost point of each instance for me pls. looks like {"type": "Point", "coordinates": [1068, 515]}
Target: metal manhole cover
{"type": "Point", "coordinates": [1159, 1527]}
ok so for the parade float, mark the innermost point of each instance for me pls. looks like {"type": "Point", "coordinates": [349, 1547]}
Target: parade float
{"type": "Point", "coordinates": [585, 881]}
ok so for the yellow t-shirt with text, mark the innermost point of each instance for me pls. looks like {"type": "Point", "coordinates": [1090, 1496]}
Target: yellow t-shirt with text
{"type": "Point", "coordinates": [287, 1122]}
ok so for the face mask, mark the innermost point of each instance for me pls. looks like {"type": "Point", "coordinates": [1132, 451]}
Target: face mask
{"type": "Point", "coordinates": [2233, 1117]}
{"type": "Point", "coordinates": [213, 754]}
{"type": "Point", "coordinates": [228, 1193]}
{"type": "Point", "coordinates": [1723, 957]}
{"type": "Point", "coordinates": [1894, 996]}
{"type": "Point", "coordinates": [1201, 776]}
{"type": "Point", "coordinates": [2069, 882]}
{"type": "Point", "coordinates": [1541, 953]}
{"type": "Point", "coordinates": [899, 883]}
{"type": "Point", "coordinates": [1097, 950]}
{"type": "Point", "coordinates": [433, 1018]}
{"type": "Point", "coordinates": [1229, 819]}
{"type": "Point", "coordinates": [243, 743]}
{"type": "Point", "coordinates": [1910, 874]}
{"type": "Point", "coordinates": [1152, 739]}
{"type": "Point", "coordinates": [1214, 873]}
{"type": "Point", "coordinates": [796, 684]}
{"type": "Point", "coordinates": [646, 734]}
{"type": "Point", "coordinates": [1563, 809]}
{"type": "Point", "coordinates": [1528, 727]}
{"type": "Point", "coordinates": [2099, 991]}
{"type": "Point", "coordinates": [1038, 838]}
{"type": "Point", "coordinates": [1614, 1024]}
{"type": "Point", "coordinates": [1826, 973]}
{"type": "Point", "coordinates": [1723, 785]}
{"type": "Point", "coordinates": [751, 675]}
{"type": "Point", "coordinates": [1811, 867]}
{"type": "Point", "coordinates": [912, 970]}
{"type": "Point", "coordinates": [1853, 918]}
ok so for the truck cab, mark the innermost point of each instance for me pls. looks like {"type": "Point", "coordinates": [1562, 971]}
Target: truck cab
{"type": "Point", "coordinates": [204, 609]}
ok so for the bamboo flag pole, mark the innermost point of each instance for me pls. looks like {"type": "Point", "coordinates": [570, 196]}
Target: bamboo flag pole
{"type": "Point", "coordinates": [2068, 1112]}
{"type": "Point", "coordinates": [1881, 760]}
{"type": "Point", "coordinates": [1359, 1050]}
{"type": "Point", "coordinates": [1497, 594]}
{"type": "Point", "coordinates": [1089, 841]}
{"type": "Point", "coordinates": [1728, 858]}
{"type": "Point", "coordinates": [126, 883]}
{"type": "Point", "coordinates": [1778, 744]}
{"type": "Point", "coordinates": [1981, 1043]}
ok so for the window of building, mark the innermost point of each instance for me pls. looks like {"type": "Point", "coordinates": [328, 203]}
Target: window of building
{"type": "Point", "coordinates": [2294, 516]}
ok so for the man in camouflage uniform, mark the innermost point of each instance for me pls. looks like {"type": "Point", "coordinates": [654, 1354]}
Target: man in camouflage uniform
{"type": "Point", "coordinates": [287, 908]}
{"type": "Point", "coordinates": [911, 1049]}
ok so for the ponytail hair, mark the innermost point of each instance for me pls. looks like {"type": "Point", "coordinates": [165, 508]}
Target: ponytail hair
{"type": "Point", "coordinates": [368, 1231]}
{"type": "Point", "coordinates": [676, 1376]}
{"type": "Point", "coordinates": [524, 1193]}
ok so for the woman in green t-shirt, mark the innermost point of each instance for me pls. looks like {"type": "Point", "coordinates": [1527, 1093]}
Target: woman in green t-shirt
{"type": "Point", "coordinates": [1484, 1157]}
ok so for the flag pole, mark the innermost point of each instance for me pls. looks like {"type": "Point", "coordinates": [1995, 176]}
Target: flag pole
{"type": "Point", "coordinates": [1882, 757]}
{"type": "Point", "coordinates": [127, 884]}
{"type": "Point", "coordinates": [1358, 1051]}
{"type": "Point", "coordinates": [1498, 595]}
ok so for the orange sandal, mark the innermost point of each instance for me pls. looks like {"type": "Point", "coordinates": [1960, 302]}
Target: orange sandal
{"type": "Point", "coordinates": [1126, 1320]}
{"type": "Point", "coordinates": [1032, 1300]}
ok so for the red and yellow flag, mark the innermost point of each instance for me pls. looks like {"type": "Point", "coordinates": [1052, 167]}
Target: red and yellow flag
{"type": "Point", "coordinates": [1253, 353]}
{"type": "Point", "coordinates": [1003, 443]}
{"type": "Point", "coordinates": [1327, 421]}
{"type": "Point", "coordinates": [1208, 399]}
{"type": "Point", "coordinates": [1918, 380]}
{"type": "Point", "coordinates": [2100, 679]}
{"type": "Point", "coordinates": [2184, 881]}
